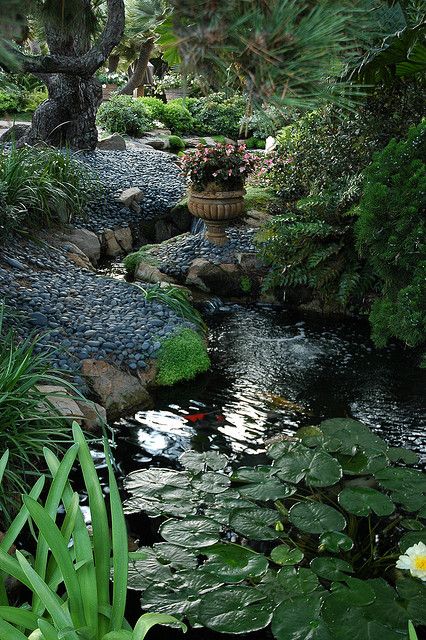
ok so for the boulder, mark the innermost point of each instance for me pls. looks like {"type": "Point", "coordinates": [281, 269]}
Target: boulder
{"type": "Point", "coordinates": [117, 241]}
{"type": "Point", "coordinates": [112, 143]}
{"type": "Point", "coordinates": [270, 144]}
{"type": "Point", "coordinates": [256, 219]}
{"type": "Point", "coordinates": [59, 398]}
{"type": "Point", "coordinates": [112, 248]}
{"type": "Point", "coordinates": [149, 273]}
{"type": "Point", "coordinates": [119, 391]}
{"type": "Point", "coordinates": [219, 279]}
{"type": "Point", "coordinates": [123, 235]}
{"type": "Point", "coordinates": [87, 241]}
{"type": "Point", "coordinates": [77, 256]}
{"type": "Point", "coordinates": [16, 132]}
{"type": "Point", "coordinates": [195, 274]}
{"type": "Point", "coordinates": [133, 194]}
{"type": "Point", "coordinates": [94, 415]}
{"type": "Point", "coordinates": [160, 144]}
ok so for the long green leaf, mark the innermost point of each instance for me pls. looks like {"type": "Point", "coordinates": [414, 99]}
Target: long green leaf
{"type": "Point", "coordinates": [7, 632]}
{"type": "Point", "coordinates": [54, 605]}
{"type": "Point", "coordinates": [21, 518]}
{"type": "Point", "coordinates": [120, 558]}
{"type": "Point", "coordinates": [149, 620]}
{"type": "Point", "coordinates": [101, 535]}
{"type": "Point", "coordinates": [3, 463]}
{"type": "Point", "coordinates": [51, 506]}
{"type": "Point", "coordinates": [11, 567]}
{"type": "Point", "coordinates": [83, 552]}
{"type": "Point", "coordinates": [19, 617]}
{"type": "Point", "coordinates": [411, 631]}
{"type": "Point", "coordinates": [59, 547]}
{"type": "Point", "coordinates": [47, 630]}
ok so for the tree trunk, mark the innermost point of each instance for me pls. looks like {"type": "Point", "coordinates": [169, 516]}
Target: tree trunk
{"type": "Point", "coordinates": [113, 61]}
{"type": "Point", "coordinates": [68, 117]}
{"type": "Point", "coordinates": [138, 76]}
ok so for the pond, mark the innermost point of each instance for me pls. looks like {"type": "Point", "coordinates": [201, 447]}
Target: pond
{"type": "Point", "coordinates": [272, 372]}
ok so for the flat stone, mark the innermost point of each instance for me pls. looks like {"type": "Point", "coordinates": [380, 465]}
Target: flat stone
{"type": "Point", "coordinates": [94, 415]}
{"type": "Point", "coordinates": [113, 249]}
{"type": "Point", "coordinates": [130, 195]}
{"type": "Point", "coordinates": [157, 143]}
{"type": "Point", "coordinates": [87, 241]}
{"type": "Point", "coordinates": [58, 397]}
{"type": "Point", "coordinates": [16, 132]}
{"type": "Point", "coordinates": [115, 142]}
{"type": "Point", "coordinates": [151, 274]}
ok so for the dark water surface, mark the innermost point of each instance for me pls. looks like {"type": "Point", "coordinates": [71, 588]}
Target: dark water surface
{"type": "Point", "coordinates": [273, 371]}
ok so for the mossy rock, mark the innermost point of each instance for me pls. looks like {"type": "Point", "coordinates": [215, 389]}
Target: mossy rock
{"type": "Point", "coordinates": [181, 357]}
{"type": "Point", "coordinates": [133, 260]}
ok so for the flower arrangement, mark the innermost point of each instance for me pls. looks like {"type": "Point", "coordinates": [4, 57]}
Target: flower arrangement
{"type": "Point", "coordinates": [223, 167]}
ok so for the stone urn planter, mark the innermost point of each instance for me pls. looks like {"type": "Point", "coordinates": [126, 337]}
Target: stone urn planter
{"type": "Point", "coordinates": [174, 94]}
{"type": "Point", "coordinates": [217, 209]}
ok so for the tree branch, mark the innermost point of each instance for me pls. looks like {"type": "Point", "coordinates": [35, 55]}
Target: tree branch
{"type": "Point", "coordinates": [87, 64]}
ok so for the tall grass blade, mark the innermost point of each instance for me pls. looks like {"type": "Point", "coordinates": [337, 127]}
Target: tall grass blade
{"type": "Point", "coordinates": [3, 463]}
{"type": "Point", "coordinates": [47, 630]}
{"type": "Point", "coordinates": [7, 632]}
{"type": "Point", "coordinates": [19, 617]}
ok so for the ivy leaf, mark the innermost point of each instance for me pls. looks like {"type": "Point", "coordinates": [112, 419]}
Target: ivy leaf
{"type": "Point", "coordinates": [191, 532]}
{"type": "Point", "coordinates": [333, 569]}
{"type": "Point", "coordinates": [300, 619]}
{"type": "Point", "coordinates": [211, 482]}
{"type": "Point", "coordinates": [197, 462]}
{"type": "Point", "coordinates": [283, 555]}
{"type": "Point", "coordinates": [233, 563]}
{"type": "Point", "coordinates": [314, 517]}
{"type": "Point", "coordinates": [363, 500]}
{"type": "Point", "coordinates": [335, 541]}
{"type": "Point", "coordinates": [234, 610]}
{"type": "Point", "coordinates": [255, 524]}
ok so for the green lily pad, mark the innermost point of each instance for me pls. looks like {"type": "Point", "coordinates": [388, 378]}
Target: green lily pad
{"type": "Point", "coordinates": [197, 462]}
{"type": "Point", "coordinates": [233, 563]}
{"type": "Point", "coordinates": [353, 436]}
{"type": "Point", "coordinates": [284, 556]}
{"type": "Point", "coordinates": [355, 592]}
{"type": "Point", "coordinates": [190, 532]}
{"type": "Point", "coordinates": [295, 582]}
{"type": "Point", "coordinates": [333, 569]}
{"type": "Point", "coordinates": [335, 541]}
{"type": "Point", "coordinates": [314, 517]}
{"type": "Point", "coordinates": [234, 610]}
{"type": "Point", "coordinates": [413, 591]}
{"type": "Point", "coordinates": [412, 537]}
{"type": "Point", "coordinates": [362, 464]}
{"type": "Point", "coordinates": [317, 467]}
{"type": "Point", "coordinates": [363, 500]}
{"type": "Point", "coordinates": [224, 504]}
{"type": "Point", "coordinates": [211, 482]}
{"type": "Point", "coordinates": [182, 596]}
{"type": "Point", "coordinates": [148, 482]}
{"type": "Point", "coordinates": [412, 525]}
{"type": "Point", "coordinates": [261, 473]}
{"type": "Point", "coordinates": [147, 571]}
{"type": "Point", "coordinates": [300, 619]}
{"type": "Point", "coordinates": [176, 557]}
{"type": "Point", "coordinates": [255, 524]}
{"type": "Point", "coordinates": [399, 454]}
{"type": "Point", "coordinates": [272, 489]}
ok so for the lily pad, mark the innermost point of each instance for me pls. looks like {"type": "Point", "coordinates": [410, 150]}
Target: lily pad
{"type": "Point", "coordinates": [333, 569]}
{"type": "Point", "coordinates": [412, 537]}
{"type": "Point", "coordinates": [295, 582]}
{"type": "Point", "coordinates": [335, 541]}
{"type": "Point", "coordinates": [300, 619]}
{"type": "Point", "coordinates": [354, 592]}
{"type": "Point", "coordinates": [197, 462]}
{"type": "Point", "coordinates": [148, 482]}
{"type": "Point", "coordinates": [190, 532]}
{"type": "Point", "coordinates": [353, 436]}
{"type": "Point", "coordinates": [413, 591]}
{"type": "Point", "coordinates": [176, 557]}
{"type": "Point", "coordinates": [284, 556]}
{"type": "Point", "coordinates": [211, 482]}
{"type": "Point", "coordinates": [147, 571]}
{"type": "Point", "coordinates": [317, 467]}
{"type": "Point", "coordinates": [399, 454]}
{"type": "Point", "coordinates": [272, 489]}
{"type": "Point", "coordinates": [233, 563]}
{"type": "Point", "coordinates": [224, 504]}
{"type": "Point", "coordinates": [255, 524]}
{"type": "Point", "coordinates": [314, 517]}
{"type": "Point", "coordinates": [364, 500]}
{"type": "Point", "coordinates": [234, 610]}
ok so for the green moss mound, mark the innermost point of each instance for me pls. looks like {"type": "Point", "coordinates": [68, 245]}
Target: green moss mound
{"type": "Point", "coordinates": [182, 357]}
{"type": "Point", "coordinates": [176, 143]}
{"type": "Point", "coordinates": [133, 260]}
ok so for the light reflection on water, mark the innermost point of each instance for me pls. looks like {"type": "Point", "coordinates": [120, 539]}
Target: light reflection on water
{"type": "Point", "coordinates": [273, 372]}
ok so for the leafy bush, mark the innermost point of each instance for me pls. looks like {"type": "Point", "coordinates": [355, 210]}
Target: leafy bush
{"type": "Point", "coordinates": [266, 122]}
{"type": "Point", "coordinates": [69, 580]}
{"type": "Point", "coordinates": [391, 235]}
{"type": "Point", "coordinates": [255, 143]}
{"type": "Point", "coordinates": [154, 106]}
{"type": "Point", "coordinates": [41, 187]}
{"type": "Point", "coordinates": [28, 421]}
{"type": "Point", "coordinates": [123, 114]}
{"type": "Point", "coordinates": [177, 118]}
{"type": "Point", "coordinates": [307, 543]}
{"type": "Point", "coordinates": [9, 101]}
{"type": "Point", "coordinates": [176, 143]}
{"type": "Point", "coordinates": [217, 114]}
{"type": "Point", "coordinates": [20, 92]}
{"type": "Point", "coordinates": [33, 99]}
{"type": "Point", "coordinates": [181, 357]}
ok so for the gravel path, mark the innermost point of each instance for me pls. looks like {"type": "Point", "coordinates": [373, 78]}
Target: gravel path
{"type": "Point", "coordinates": [155, 172]}
{"type": "Point", "coordinates": [84, 315]}
{"type": "Point", "coordinates": [175, 256]}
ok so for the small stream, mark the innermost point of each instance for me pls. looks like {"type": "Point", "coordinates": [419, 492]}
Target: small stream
{"type": "Point", "coordinates": [272, 372]}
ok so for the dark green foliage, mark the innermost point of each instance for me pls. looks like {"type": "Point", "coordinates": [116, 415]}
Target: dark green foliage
{"type": "Point", "coordinates": [318, 173]}
{"type": "Point", "coordinates": [154, 106]}
{"type": "Point", "coordinates": [177, 298]}
{"type": "Point", "coordinates": [123, 114]}
{"type": "Point", "coordinates": [314, 544]}
{"type": "Point", "coordinates": [218, 114]}
{"type": "Point", "coordinates": [255, 143]}
{"type": "Point", "coordinates": [20, 93]}
{"type": "Point", "coordinates": [181, 357]}
{"type": "Point", "coordinates": [177, 118]}
{"type": "Point", "coordinates": [41, 187]}
{"type": "Point", "coordinates": [391, 235]}
{"type": "Point", "coordinates": [176, 143]}
{"type": "Point", "coordinates": [133, 260]}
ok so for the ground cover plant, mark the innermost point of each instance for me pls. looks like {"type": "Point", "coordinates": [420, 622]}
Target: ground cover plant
{"type": "Point", "coordinates": [69, 578]}
{"type": "Point", "coordinates": [41, 187]}
{"type": "Point", "coordinates": [181, 356]}
{"type": "Point", "coordinates": [309, 543]}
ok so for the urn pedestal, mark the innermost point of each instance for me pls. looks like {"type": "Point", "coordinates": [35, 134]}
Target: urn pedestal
{"type": "Point", "coordinates": [217, 209]}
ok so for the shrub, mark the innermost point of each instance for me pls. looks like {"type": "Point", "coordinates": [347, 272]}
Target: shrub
{"type": "Point", "coordinates": [123, 114]}
{"type": "Point", "coordinates": [154, 106]}
{"type": "Point", "coordinates": [176, 143]}
{"type": "Point", "coordinates": [177, 118]}
{"type": "Point", "coordinates": [306, 543]}
{"type": "Point", "coordinates": [391, 235]}
{"type": "Point", "coordinates": [70, 578]}
{"type": "Point", "coordinates": [218, 115]}
{"type": "Point", "coordinates": [181, 357]}
{"type": "Point", "coordinates": [255, 143]}
{"type": "Point", "coordinates": [267, 121]}
{"type": "Point", "coordinates": [41, 187]}
{"type": "Point", "coordinates": [33, 99]}
{"type": "Point", "coordinates": [10, 101]}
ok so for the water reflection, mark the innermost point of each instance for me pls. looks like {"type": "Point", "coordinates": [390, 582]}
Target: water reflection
{"type": "Point", "coordinates": [273, 372]}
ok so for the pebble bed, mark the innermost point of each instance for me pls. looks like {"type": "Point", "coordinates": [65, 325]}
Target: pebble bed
{"type": "Point", "coordinates": [154, 172]}
{"type": "Point", "coordinates": [80, 314]}
{"type": "Point", "coordinates": [175, 256]}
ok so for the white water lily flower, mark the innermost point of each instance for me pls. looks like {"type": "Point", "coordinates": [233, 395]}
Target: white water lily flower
{"type": "Point", "coordinates": [414, 561]}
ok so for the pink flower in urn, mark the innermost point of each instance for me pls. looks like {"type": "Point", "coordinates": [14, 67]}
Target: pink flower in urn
{"type": "Point", "coordinates": [230, 172]}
